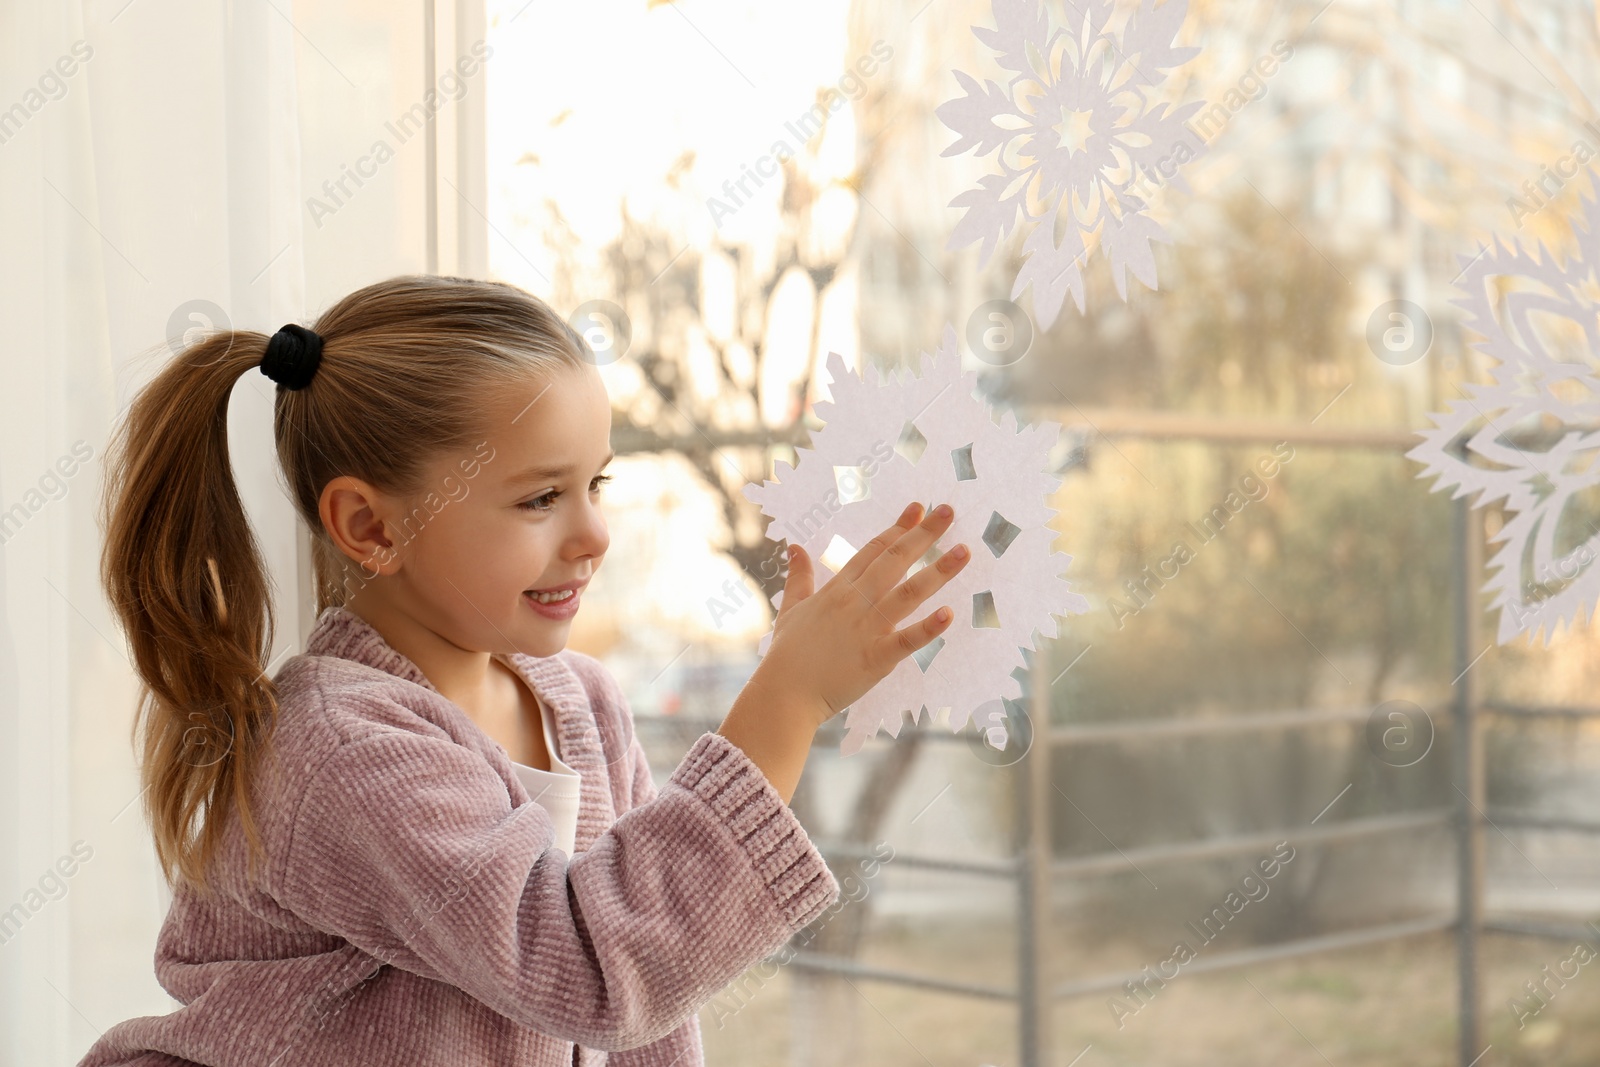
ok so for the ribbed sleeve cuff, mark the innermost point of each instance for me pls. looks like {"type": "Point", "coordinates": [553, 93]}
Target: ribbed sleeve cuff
{"type": "Point", "coordinates": [718, 772]}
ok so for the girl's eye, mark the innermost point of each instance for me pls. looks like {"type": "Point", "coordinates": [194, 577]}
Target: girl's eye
{"type": "Point", "coordinates": [546, 501]}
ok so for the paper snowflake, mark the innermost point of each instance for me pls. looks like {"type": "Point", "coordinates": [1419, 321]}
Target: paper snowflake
{"type": "Point", "coordinates": [928, 438]}
{"type": "Point", "coordinates": [1535, 428]}
{"type": "Point", "coordinates": [1076, 128]}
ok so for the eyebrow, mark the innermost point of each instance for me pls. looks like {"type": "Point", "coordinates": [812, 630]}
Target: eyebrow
{"type": "Point", "coordinates": [539, 474]}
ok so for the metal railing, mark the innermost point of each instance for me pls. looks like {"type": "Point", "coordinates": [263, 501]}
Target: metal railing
{"type": "Point", "coordinates": [1033, 866]}
{"type": "Point", "coordinates": [1032, 988]}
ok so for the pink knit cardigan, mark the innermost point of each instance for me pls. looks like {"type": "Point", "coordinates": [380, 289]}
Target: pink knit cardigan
{"type": "Point", "coordinates": [412, 908]}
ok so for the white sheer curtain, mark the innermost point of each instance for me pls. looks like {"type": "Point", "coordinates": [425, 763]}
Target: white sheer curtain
{"type": "Point", "coordinates": [158, 164]}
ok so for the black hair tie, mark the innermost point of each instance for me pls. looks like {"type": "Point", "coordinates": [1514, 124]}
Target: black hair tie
{"type": "Point", "coordinates": [292, 357]}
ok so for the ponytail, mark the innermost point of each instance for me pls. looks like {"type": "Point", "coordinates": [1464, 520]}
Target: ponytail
{"type": "Point", "coordinates": [183, 573]}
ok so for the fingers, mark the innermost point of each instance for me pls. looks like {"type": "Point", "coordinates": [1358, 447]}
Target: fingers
{"type": "Point", "coordinates": [801, 581]}
{"type": "Point", "coordinates": [897, 646]}
{"type": "Point", "coordinates": [858, 563]}
{"type": "Point", "coordinates": [891, 564]}
{"type": "Point", "coordinates": [905, 597]}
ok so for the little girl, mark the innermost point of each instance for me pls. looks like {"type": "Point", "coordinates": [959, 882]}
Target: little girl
{"type": "Point", "coordinates": [433, 837]}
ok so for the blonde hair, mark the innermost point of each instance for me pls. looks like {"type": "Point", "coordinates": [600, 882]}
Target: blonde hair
{"type": "Point", "coordinates": [408, 367]}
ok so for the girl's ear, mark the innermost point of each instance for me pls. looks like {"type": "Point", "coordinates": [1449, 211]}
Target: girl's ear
{"type": "Point", "coordinates": [353, 513]}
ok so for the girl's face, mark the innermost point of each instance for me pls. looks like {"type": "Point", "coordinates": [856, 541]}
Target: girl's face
{"type": "Point", "coordinates": [520, 513]}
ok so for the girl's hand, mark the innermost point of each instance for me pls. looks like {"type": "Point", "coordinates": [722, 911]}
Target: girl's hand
{"type": "Point", "coordinates": [831, 646]}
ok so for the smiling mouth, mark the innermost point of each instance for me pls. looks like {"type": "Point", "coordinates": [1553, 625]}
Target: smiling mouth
{"type": "Point", "coordinates": [551, 598]}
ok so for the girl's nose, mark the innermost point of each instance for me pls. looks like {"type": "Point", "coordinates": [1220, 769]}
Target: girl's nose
{"type": "Point", "coordinates": [593, 535]}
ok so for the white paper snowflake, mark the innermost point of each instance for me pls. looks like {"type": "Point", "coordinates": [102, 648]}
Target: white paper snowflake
{"type": "Point", "coordinates": [1075, 127]}
{"type": "Point", "coordinates": [1535, 428]}
{"type": "Point", "coordinates": [928, 438]}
